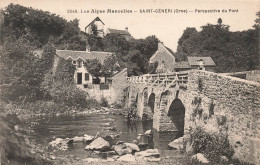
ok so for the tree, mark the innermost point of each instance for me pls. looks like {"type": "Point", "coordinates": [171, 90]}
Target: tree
{"type": "Point", "coordinates": [20, 72]}
{"type": "Point", "coordinates": [93, 67]}
{"type": "Point", "coordinates": [231, 51]}
{"type": "Point", "coordinates": [110, 66]}
{"type": "Point", "coordinates": [219, 21]}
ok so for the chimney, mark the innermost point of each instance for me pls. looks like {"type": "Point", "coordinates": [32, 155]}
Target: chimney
{"type": "Point", "coordinates": [160, 45]}
{"type": "Point", "coordinates": [126, 28]}
{"type": "Point", "coordinates": [87, 46]}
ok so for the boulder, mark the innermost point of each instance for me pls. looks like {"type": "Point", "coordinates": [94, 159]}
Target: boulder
{"type": "Point", "coordinates": [142, 144]}
{"type": "Point", "coordinates": [127, 158]}
{"type": "Point", "coordinates": [122, 149]}
{"type": "Point", "coordinates": [78, 139]}
{"type": "Point", "coordinates": [176, 144]}
{"type": "Point", "coordinates": [88, 138]}
{"type": "Point", "coordinates": [188, 147]}
{"type": "Point", "coordinates": [98, 144]}
{"type": "Point", "coordinates": [133, 146]}
{"type": "Point", "coordinates": [119, 142]}
{"type": "Point", "coordinates": [148, 132]}
{"type": "Point", "coordinates": [148, 153]}
{"type": "Point", "coordinates": [135, 141]}
{"type": "Point", "coordinates": [199, 158]}
{"type": "Point", "coordinates": [59, 144]}
{"type": "Point", "coordinates": [108, 137]}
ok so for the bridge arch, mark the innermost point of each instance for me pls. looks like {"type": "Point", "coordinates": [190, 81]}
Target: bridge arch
{"type": "Point", "coordinates": [177, 114]}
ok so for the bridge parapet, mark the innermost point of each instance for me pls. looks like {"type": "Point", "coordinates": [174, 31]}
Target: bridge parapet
{"type": "Point", "coordinates": [161, 79]}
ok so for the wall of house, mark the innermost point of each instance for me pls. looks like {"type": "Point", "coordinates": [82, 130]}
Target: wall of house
{"type": "Point", "coordinates": [207, 68]}
{"type": "Point", "coordinates": [83, 70]}
{"type": "Point", "coordinates": [235, 110]}
{"type": "Point", "coordinates": [164, 58]}
{"type": "Point", "coordinates": [119, 83]}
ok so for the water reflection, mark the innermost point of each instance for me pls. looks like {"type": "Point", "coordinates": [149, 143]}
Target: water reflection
{"type": "Point", "coordinates": [47, 128]}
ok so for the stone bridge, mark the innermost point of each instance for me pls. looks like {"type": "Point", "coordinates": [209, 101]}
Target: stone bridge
{"type": "Point", "coordinates": [182, 101]}
{"type": "Point", "coordinates": [158, 96]}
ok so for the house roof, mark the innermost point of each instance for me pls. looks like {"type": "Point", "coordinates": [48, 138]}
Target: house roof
{"type": "Point", "coordinates": [118, 74]}
{"type": "Point", "coordinates": [75, 55]}
{"type": "Point", "coordinates": [207, 61]}
{"type": "Point", "coordinates": [182, 64]}
{"type": "Point", "coordinates": [96, 19]}
{"type": "Point", "coordinates": [120, 32]}
{"type": "Point", "coordinates": [161, 50]}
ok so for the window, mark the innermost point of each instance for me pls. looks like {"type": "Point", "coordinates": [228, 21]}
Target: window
{"type": "Point", "coordinates": [74, 62]}
{"type": "Point", "coordinates": [79, 64]}
{"type": "Point", "coordinates": [86, 76]}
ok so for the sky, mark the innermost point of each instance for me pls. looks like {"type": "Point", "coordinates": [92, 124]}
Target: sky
{"type": "Point", "coordinates": [168, 27]}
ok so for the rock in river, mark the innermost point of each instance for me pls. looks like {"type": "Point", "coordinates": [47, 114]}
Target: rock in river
{"type": "Point", "coordinates": [176, 144]}
{"type": "Point", "coordinates": [127, 158]}
{"type": "Point", "coordinates": [150, 153]}
{"type": "Point", "coordinates": [199, 158]}
{"type": "Point", "coordinates": [98, 144]}
{"type": "Point", "coordinates": [122, 149]}
{"type": "Point", "coordinates": [148, 132]}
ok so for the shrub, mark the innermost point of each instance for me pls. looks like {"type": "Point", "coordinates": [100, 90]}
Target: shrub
{"type": "Point", "coordinates": [132, 114]}
{"type": "Point", "coordinates": [104, 102]}
{"type": "Point", "coordinates": [92, 103]}
{"type": "Point", "coordinates": [213, 146]}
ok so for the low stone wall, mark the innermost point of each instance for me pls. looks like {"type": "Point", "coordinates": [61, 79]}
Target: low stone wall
{"type": "Point", "coordinates": [253, 75]}
{"type": "Point", "coordinates": [225, 104]}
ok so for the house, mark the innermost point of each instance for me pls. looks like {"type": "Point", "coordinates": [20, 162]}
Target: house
{"type": "Point", "coordinates": [123, 33]}
{"type": "Point", "coordinates": [201, 63]}
{"type": "Point", "coordinates": [97, 27]}
{"type": "Point", "coordinates": [78, 58]}
{"type": "Point", "coordinates": [164, 58]}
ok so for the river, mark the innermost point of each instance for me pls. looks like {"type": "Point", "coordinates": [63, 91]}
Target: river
{"type": "Point", "coordinates": [47, 128]}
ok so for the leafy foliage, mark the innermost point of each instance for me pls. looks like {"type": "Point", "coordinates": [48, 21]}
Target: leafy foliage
{"type": "Point", "coordinates": [133, 54]}
{"type": "Point", "coordinates": [39, 26]}
{"type": "Point", "coordinates": [20, 72]}
{"type": "Point", "coordinates": [231, 51]}
{"type": "Point", "coordinates": [210, 144]}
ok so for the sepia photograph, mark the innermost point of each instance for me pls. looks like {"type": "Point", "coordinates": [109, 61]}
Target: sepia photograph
{"type": "Point", "coordinates": [116, 82]}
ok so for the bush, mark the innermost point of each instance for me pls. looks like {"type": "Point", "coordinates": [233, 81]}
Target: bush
{"type": "Point", "coordinates": [132, 114]}
{"type": "Point", "coordinates": [213, 146]}
{"type": "Point", "coordinates": [104, 102]}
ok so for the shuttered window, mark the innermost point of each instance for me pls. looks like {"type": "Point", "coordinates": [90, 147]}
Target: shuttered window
{"type": "Point", "coordinates": [86, 76]}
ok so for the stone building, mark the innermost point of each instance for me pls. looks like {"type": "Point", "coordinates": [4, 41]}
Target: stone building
{"type": "Point", "coordinates": [201, 63]}
{"type": "Point", "coordinates": [164, 58]}
{"type": "Point", "coordinates": [123, 33]}
{"type": "Point", "coordinates": [82, 77]}
{"type": "Point", "coordinates": [98, 28]}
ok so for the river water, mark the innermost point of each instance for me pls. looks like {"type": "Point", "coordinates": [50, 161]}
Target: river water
{"type": "Point", "coordinates": [47, 128]}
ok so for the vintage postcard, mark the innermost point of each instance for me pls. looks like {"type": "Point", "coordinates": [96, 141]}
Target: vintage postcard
{"type": "Point", "coordinates": [129, 82]}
